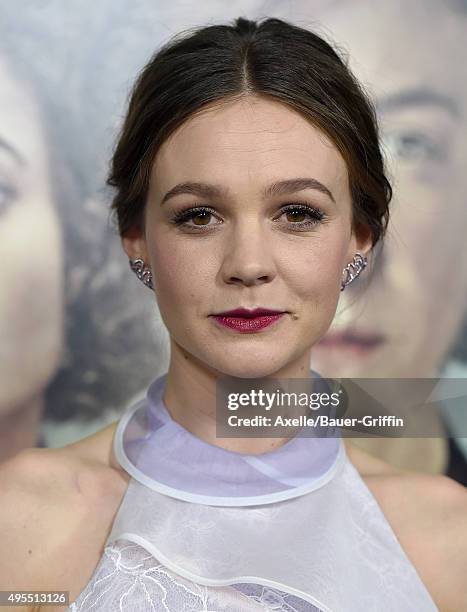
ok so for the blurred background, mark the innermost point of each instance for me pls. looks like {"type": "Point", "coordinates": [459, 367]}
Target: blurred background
{"type": "Point", "coordinates": [81, 338]}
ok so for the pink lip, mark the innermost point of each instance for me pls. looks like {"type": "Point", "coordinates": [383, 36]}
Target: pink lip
{"type": "Point", "coordinates": [247, 321]}
{"type": "Point", "coordinates": [358, 342]}
{"type": "Point", "coordinates": [244, 312]}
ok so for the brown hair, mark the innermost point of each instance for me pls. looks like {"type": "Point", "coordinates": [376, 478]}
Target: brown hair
{"type": "Point", "coordinates": [270, 58]}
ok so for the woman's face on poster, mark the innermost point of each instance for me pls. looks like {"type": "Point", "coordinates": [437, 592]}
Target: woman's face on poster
{"type": "Point", "coordinates": [410, 56]}
{"type": "Point", "coordinates": [30, 250]}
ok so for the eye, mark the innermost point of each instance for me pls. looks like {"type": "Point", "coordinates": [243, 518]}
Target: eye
{"type": "Point", "coordinates": [7, 197]}
{"type": "Point", "coordinates": [302, 216]}
{"type": "Point", "coordinates": [298, 216]}
{"type": "Point", "coordinates": [200, 216]}
{"type": "Point", "coordinates": [413, 146]}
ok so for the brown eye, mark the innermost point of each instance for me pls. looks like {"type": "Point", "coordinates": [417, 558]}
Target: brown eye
{"type": "Point", "coordinates": [296, 215]}
{"type": "Point", "coordinates": [301, 217]}
{"type": "Point", "coordinates": [197, 217]}
{"type": "Point", "coordinates": [201, 218]}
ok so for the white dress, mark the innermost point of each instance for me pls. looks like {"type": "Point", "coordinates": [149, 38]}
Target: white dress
{"type": "Point", "coordinates": [202, 528]}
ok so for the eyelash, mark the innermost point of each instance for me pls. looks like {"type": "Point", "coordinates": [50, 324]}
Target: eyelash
{"type": "Point", "coordinates": [180, 218]}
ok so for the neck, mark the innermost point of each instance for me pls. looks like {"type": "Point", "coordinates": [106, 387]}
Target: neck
{"type": "Point", "coordinates": [19, 428]}
{"type": "Point", "coordinates": [190, 398]}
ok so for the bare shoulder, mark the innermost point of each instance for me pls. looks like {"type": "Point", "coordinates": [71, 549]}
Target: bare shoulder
{"type": "Point", "coordinates": [74, 475]}
{"type": "Point", "coordinates": [428, 514]}
{"type": "Point", "coordinates": [56, 502]}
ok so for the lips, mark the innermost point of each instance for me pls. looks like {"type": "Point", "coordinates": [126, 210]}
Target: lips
{"type": "Point", "coordinates": [352, 339]}
{"type": "Point", "coordinates": [244, 320]}
{"type": "Point", "coordinates": [248, 314]}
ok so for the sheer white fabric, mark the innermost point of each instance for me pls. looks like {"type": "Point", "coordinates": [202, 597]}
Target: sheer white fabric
{"type": "Point", "coordinates": [331, 548]}
{"type": "Point", "coordinates": [201, 528]}
{"type": "Point", "coordinates": [129, 579]}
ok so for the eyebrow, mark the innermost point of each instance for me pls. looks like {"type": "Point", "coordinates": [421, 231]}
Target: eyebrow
{"type": "Point", "coordinates": [207, 190]}
{"type": "Point", "coordinates": [5, 145]}
{"type": "Point", "coordinates": [421, 96]}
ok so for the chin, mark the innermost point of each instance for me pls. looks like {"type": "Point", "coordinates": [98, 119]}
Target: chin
{"type": "Point", "coordinates": [252, 366]}
{"type": "Point", "coordinates": [247, 373]}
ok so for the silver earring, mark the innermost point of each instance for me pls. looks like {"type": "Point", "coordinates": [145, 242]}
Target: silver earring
{"type": "Point", "coordinates": [142, 272]}
{"type": "Point", "coordinates": [353, 269]}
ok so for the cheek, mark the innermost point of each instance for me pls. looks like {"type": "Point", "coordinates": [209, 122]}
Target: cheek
{"type": "Point", "coordinates": [181, 272]}
{"type": "Point", "coordinates": [313, 270]}
{"type": "Point", "coordinates": [427, 236]}
{"type": "Point", "coordinates": [307, 272]}
{"type": "Point", "coordinates": [30, 240]}
{"type": "Point", "coordinates": [31, 307]}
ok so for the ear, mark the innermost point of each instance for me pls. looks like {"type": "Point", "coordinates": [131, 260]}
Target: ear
{"type": "Point", "coordinates": [134, 245]}
{"type": "Point", "coordinates": [362, 239]}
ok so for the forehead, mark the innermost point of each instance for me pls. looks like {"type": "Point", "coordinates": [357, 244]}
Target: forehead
{"type": "Point", "coordinates": [401, 44]}
{"type": "Point", "coordinates": [246, 141]}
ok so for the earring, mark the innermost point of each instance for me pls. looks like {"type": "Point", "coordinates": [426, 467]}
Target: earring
{"type": "Point", "coordinates": [353, 269]}
{"type": "Point", "coordinates": [142, 272]}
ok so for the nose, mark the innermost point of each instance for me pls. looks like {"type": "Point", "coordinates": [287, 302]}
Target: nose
{"type": "Point", "coordinates": [248, 258]}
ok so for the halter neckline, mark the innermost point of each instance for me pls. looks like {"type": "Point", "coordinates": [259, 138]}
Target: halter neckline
{"type": "Point", "coordinates": [161, 454]}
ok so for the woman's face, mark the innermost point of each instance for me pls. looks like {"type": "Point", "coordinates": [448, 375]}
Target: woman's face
{"type": "Point", "coordinates": [253, 249]}
{"type": "Point", "coordinates": [404, 322]}
{"type": "Point", "coordinates": [30, 251]}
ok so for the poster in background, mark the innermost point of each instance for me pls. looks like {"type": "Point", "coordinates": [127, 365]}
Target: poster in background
{"type": "Point", "coordinates": [80, 337]}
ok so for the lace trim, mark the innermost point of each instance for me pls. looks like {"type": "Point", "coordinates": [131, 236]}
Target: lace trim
{"type": "Point", "coordinates": [129, 579]}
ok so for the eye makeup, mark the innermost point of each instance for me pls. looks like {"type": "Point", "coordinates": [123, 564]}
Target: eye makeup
{"type": "Point", "coordinates": [313, 215]}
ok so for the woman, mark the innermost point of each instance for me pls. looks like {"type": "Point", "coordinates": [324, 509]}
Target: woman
{"type": "Point", "coordinates": [248, 176]}
{"type": "Point", "coordinates": [53, 244]}
{"type": "Point", "coordinates": [31, 311]}
{"type": "Point", "coordinates": [384, 327]}
{"type": "Point", "coordinates": [62, 347]}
